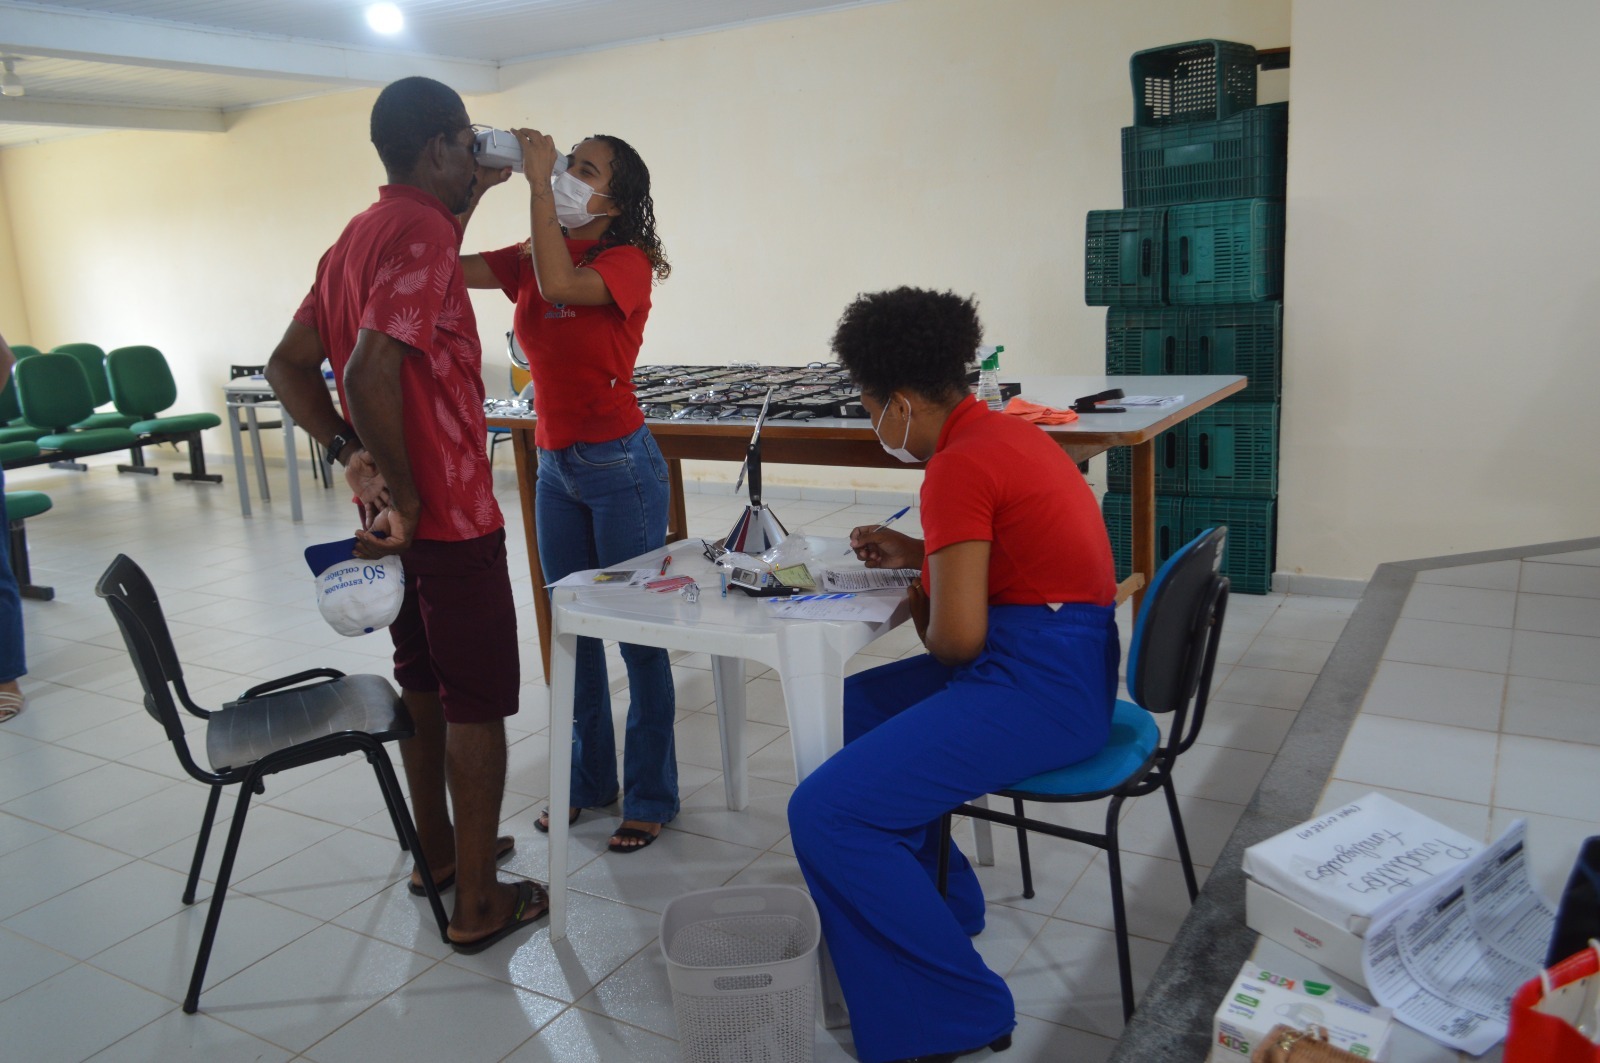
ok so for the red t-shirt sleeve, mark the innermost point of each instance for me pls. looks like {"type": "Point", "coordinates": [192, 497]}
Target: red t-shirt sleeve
{"type": "Point", "coordinates": [408, 292]}
{"type": "Point", "coordinates": [507, 264]}
{"type": "Point", "coordinates": [958, 503]}
{"type": "Point", "coordinates": [626, 271]}
{"type": "Point", "coordinates": [307, 314]}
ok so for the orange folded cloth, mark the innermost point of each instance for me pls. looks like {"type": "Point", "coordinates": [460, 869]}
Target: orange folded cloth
{"type": "Point", "coordinates": [1032, 411]}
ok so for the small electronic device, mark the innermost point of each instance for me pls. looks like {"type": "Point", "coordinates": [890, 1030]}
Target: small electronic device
{"type": "Point", "coordinates": [496, 149]}
{"type": "Point", "coordinates": [757, 584]}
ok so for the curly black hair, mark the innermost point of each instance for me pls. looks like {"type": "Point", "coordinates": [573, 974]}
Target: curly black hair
{"type": "Point", "coordinates": [630, 190]}
{"type": "Point", "coordinates": [909, 338]}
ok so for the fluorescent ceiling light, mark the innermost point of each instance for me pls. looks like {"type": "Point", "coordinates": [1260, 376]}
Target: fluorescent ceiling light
{"type": "Point", "coordinates": [385, 18]}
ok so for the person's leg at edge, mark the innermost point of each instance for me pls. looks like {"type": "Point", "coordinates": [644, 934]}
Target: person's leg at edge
{"type": "Point", "coordinates": [476, 754]}
{"type": "Point", "coordinates": [566, 545]}
{"type": "Point", "coordinates": [625, 484]}
{"type": "Point", "coordinates": [423, 756]}
{"type": "Point", "coordinates": [13, 659]}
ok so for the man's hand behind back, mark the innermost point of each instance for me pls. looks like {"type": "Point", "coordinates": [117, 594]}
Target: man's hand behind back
{"type": "Point", "coordinates": [390, 532]}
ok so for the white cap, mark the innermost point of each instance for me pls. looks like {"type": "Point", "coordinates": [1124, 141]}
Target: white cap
{"type": "Point", "coordinates": [354, 595]}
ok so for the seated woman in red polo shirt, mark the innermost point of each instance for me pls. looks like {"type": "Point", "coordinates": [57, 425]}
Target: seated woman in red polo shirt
{"type": "Point", "coordinates": [1015, 609]}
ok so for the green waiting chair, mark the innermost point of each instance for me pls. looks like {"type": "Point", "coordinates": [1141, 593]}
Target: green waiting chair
{"type": "Point", "coordinates": [142, 387]}
{"type": "Point", "coordinates": [22, 350]}
{"type": "Point", "coordinates": [13, 429]}
{"type": "Point", "coordinates": [19, 506]}
{"type": "Point", "coordinates": [93, 360]}
{"type": "Point", "coordinates": [54, 396]}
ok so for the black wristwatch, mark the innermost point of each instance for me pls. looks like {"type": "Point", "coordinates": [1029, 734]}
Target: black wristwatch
{"type": "Point", "coordinates": [337, 444]}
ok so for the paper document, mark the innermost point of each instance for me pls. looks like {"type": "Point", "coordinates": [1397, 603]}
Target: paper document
{"type": "Point", "coordinates": [872, 608]}
{"type": "Point", "coordinates": [1148, 400]}
{"type": "Point", "coordinates": [607, 577]}
{"type": "Point", "coordinates": [867, 579]}
{"type": "Point", "coordinates": [1447, 956]}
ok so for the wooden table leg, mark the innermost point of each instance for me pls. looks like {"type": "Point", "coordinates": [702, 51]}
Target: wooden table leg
{"type": "Point", "coordinates": [1144, 516]}
{"type": "Point", "coordinates": [527, 476]}
{"type": "Point", "coordinates": [677, 514]}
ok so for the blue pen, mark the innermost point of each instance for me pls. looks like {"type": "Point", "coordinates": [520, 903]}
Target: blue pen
{"type": "Point", "coordinates": [723, 576]}
{"type": "Point", "coordinates": [900, 513]}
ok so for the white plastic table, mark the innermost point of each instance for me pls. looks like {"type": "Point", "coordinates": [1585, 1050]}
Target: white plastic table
{"type": "Point", "coordinates": [808, 655]}
{"type": "Point", "coordinates": [246, 395]}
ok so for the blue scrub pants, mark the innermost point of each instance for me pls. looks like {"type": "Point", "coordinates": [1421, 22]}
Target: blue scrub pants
{"type": "Point", "coordinates": [920, 739]}
{"type": "Point", "coordinates": [13, 662]}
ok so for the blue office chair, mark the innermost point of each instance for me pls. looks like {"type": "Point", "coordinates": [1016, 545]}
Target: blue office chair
{"type": "Point", "coordinates": [1170, 663]}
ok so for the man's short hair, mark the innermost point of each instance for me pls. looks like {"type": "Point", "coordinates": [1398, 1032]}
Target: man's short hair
{"type": "Point", "coordinates": [409, 113]}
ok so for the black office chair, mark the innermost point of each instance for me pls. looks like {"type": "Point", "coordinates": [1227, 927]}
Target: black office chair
{"type": "Point", "coordinates": [1170, 662]}
{"type": "Point", "coordinates": [300, 719]}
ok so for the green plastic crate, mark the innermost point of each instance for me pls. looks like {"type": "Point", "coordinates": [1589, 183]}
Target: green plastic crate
{"type": "Point", "coordinates": [1246, 155]}
{"type": "Point", "coordinates": [1117, 509]}
{"type": "Point", "coordinates": [1198, 81]}
{"type": "Point", "coordinates": [1172, 478]}
{"type": "Point", "coordinates": [1227, 252]}
{"type": "Point", "coordinates": [1243, 338]}
{"type": "Point", "coordinates": [1252, 537]}
{"type": "Point", "coordinates": [1232, 450]}
{"type": "Point", "coordinates": [1124, 258]}
{"type": "Point", "coordinates": [1142, 342]}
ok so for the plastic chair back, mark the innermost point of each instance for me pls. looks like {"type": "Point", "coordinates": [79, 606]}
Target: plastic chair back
{"type": "Point", "coordinates": [93, 360]}
{"type": "Point", "coordinates": [133, 602]}
{"type": "Point", "coordinates": [10, 409]}
{"type": "Point", "coordinates": [52, 391]}
{"type": "Point", "coordinates": [1170, 641]}
{"type": "Point", "coordinates": [22, 350]}
{"type": "Point", "coordinates": [141, 382]}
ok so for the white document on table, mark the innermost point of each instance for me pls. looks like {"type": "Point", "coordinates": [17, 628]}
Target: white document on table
{"type": "Point", "coordinates": [866, 579]}
{"type": "Point", "coordinates": [604, 578]}
{"type": "Point", "coordinates": [1447, 956]}
{"type": "Point", "coordinates": [872, 608]}
{"type": "Point", "coordinates": [1146, 400]}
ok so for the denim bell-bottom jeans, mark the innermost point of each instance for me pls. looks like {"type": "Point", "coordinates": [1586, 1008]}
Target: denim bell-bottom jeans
{"type": "Point", "coordinates": [12, 660]}
{"type": "Point", "coordinates": [599, 504]}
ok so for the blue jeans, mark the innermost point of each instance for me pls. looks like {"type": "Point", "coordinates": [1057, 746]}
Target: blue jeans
{"type": "Point", "coordinates": [13, 664]}
{"type": "Point", "coordinates": [599, 504]}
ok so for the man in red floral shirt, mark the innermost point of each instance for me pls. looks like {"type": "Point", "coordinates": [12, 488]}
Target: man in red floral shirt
{"type": "Point", "coordinates": [389, 309]}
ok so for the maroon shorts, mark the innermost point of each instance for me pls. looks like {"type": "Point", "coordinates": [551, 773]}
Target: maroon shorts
{"type": "Point", "coordinates": [456, 634]}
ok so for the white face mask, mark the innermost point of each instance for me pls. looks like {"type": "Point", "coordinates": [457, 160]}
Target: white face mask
{"type": "Point", "coordinates": [900, 452]}
{"type": "Point", "coordinates": [572, 200]}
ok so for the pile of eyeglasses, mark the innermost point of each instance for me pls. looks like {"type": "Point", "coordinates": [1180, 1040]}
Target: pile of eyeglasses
{"type": "Point", "coordinates": [735, 392]}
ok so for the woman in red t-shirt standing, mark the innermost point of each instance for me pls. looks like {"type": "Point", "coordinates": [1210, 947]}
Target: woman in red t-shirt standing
{"type": "Point", "coordinates": [1015, 608]}
{"type": "Point", "coordinates": [582, 289]}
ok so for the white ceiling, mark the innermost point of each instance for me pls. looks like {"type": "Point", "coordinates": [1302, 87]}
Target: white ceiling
{"type": "Point", "coordinates": [92, 65]}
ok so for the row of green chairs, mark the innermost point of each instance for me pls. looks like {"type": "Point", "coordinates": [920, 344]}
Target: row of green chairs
{"type": "Point", "coordinates": [52, 399]}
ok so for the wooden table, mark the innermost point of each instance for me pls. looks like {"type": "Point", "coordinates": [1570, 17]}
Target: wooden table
{"type": "Point", "coordinates": [851, 442]}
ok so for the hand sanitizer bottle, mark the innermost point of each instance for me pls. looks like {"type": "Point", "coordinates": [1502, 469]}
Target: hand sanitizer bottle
{"type": "Point", "coordinates": [989, 378]}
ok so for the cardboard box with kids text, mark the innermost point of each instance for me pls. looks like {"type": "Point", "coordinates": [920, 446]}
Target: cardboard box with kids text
{"type": "Point", "coordinates": [1261, 999]}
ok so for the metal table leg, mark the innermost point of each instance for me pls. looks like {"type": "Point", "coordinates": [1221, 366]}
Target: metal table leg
{"type": "Point", "coordinates": [238, 459]}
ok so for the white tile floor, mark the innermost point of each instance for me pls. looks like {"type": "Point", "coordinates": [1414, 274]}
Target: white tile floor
{"type": "Point", "coordinates": [321, 948]}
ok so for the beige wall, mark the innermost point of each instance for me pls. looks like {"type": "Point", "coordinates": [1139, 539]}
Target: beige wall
{"type": "Point", "coordinates": [1442, 285]}
{"type": "Point", "coordinates": [953, 143]}
{"type": "Point", "coordinates": [13, 307]}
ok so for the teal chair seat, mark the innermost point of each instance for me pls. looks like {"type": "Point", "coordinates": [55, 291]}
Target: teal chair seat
{"type": "Point", "coordinates": [107, 420]}
{"type": "Point", "coordinates": [89, 441]}
{"type": "Point", "coordinates": [20, 434]}
{"type": "Point", "coordinates": [20, 505]}
{"type": "Point", "coordinates": [1134, 737]}
{"type": "Point", "coordinates": [177, 425]}
{"type": "Point", "coordinates": [18, 450]}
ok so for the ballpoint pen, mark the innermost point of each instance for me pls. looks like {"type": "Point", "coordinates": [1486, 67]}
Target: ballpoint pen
{"type": "Point", "coordinates": [665, 561]}
{"type": "Point", "coordinates": [896, 516]}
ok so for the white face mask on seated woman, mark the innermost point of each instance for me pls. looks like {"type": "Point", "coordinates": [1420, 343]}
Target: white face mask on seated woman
{"type": "Point", "coordinates": [899, 452]}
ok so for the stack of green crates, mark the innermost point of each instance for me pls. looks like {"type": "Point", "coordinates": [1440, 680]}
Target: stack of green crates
{"type": "Point", "coordinates": [1191, 269]}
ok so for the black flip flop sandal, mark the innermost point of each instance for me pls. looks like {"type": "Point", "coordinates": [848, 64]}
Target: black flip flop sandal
{"type": "Point", "coordinates": [644, 838]}
{"type": "Point", "coordinates": [528, 894]}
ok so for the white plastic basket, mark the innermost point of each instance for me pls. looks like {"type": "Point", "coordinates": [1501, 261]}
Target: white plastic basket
{"type": "Point", "coordinates": [741, 961]}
